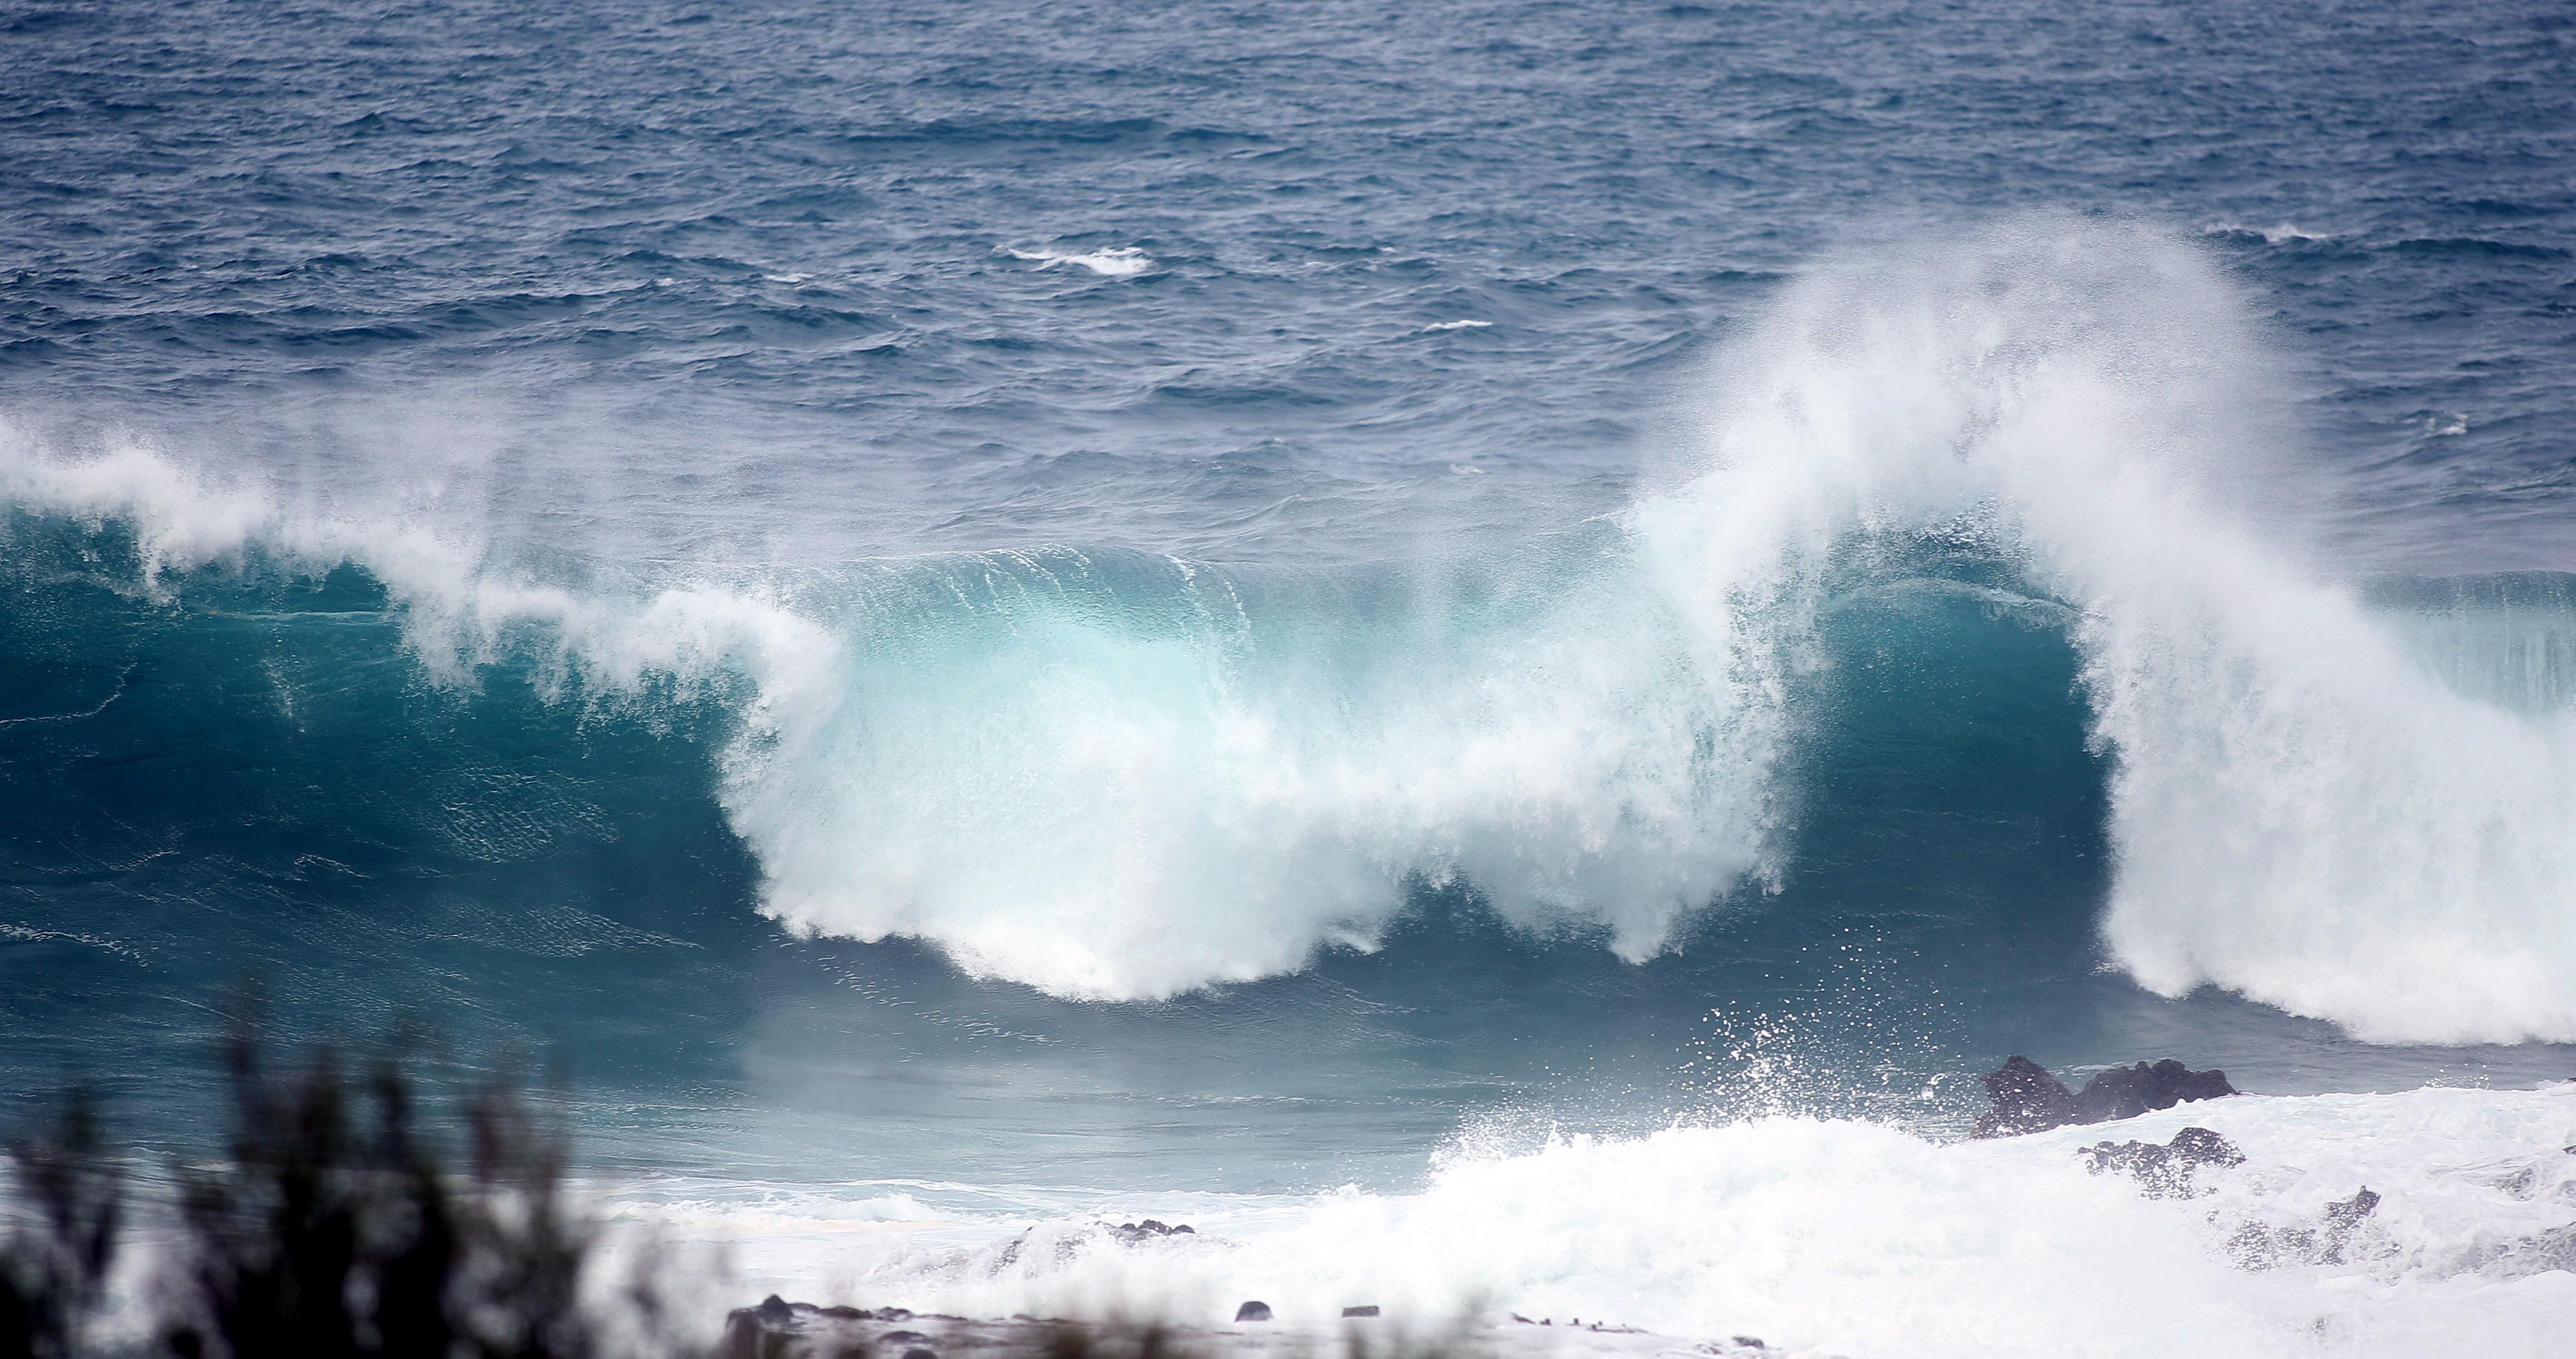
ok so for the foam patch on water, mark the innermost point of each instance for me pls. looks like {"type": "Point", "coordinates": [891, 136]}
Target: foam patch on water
{"type": "Point", "coordinates": [2279, 234]}
{"type": "Point", "coordinates": [1122, 261]}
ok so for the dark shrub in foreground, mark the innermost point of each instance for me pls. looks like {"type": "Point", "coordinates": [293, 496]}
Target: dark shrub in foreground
{"type": "Point", "coordinates": [332, 1228]}
{"type": "Point", "coordinates": [54, 1273]}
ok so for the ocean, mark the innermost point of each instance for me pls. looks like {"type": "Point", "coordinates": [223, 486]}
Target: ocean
{"type": "Point", "coordinates": [1487, 649]}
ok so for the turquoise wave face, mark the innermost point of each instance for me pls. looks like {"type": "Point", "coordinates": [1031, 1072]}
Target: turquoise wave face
{"type": "Point", "coordinates": [250, 769]}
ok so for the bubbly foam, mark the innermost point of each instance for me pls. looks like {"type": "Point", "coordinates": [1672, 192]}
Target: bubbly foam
{"type": "Point", "coordinates": [1120, 777]}
{"type": "Point", "coordinates": [1821, 1237]}
{"type": "Point", "coordinates": [1121, 261]}
{"type": "Point", "coordinates": [2272, 235]}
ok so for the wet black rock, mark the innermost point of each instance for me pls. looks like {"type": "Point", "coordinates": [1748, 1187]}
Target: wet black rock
{"type": "Point", "coordinates": [1368, 1310]}
{"type": "Point", "coordinates": [2256, 1246]}
{"type": "Point", "coordinates": [2165, 1171]}
{"type": "Point", "coordinates": [1132, 1232]}
{"type": "Point", "coordinates": [2343, 1216]}
{"type": "Point", "coordinates": [778, 1329]}
{"type": "Point", "coordinates": [1253, 1311]}
{"type": "Point", "coordinates": [2126, 1092]}
{"type": "Point", "coordinates": [2028, 1099]}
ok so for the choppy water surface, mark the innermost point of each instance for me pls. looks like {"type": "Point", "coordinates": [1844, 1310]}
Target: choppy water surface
{"type": "Point", "coordinates": [983, 616]}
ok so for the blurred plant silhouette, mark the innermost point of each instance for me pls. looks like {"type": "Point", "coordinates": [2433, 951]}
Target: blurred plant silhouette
{"type": "Point", "coordinates": [53, 1276]}
{"type": "Point", "coordinates": [331, 1227]}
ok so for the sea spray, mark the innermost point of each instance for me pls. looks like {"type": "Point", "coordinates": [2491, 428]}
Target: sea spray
{"type": "Point", "coordinates": [2302, 810]}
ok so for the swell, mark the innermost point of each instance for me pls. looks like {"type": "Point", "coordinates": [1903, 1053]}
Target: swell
{"type": "Point", "coordinates": [1118, 775]}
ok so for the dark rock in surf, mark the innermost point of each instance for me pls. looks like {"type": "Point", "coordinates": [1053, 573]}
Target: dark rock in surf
{"type": "Point", "coordinates": [1253, 1311]}
{"type": "Point", "coordinates": [1368, 1310]}
{"type": "Point", "coordinates": [2165, 1171]}
{"type": "Point", "coordinates": [2126, 1092]}
{"type": "Point", "coordinates": [2027, 1099]}
{"type": "Point", "coordinates": [1130, 1233]}
{"type": "Point", "coordinates": [2344, 1215]}
{"type": "Point", "coordinates": [2257, 1247]}
{"type": "Point", "coordinates": [778, 1329]}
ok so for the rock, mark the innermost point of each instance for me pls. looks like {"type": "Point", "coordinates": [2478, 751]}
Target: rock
{"type": "Point", "coordinates": [2165, 1170]}
{"type": "Point", "coordinates": [2522, 1257]}
{"type": "Point", "coordinates": [919, 1354]}
{"type": "Point", "coordinates": [2256, 1246]}
{"type": "Point", "coordinates": [2126, 1092]}
{"type": "Point", "coordinates": [1366, 1310]}
{"type": "Point", "coordinates": [1133, 1232]}
{"type": "Point", "coordinates": [804, 1331]}
{"type": "Point", "coordinates": [2027, 1099]}
{"type": "Point", "coordinates": [761, 1332]}
{"type": "Point", "coordinates": [2343, 1217]}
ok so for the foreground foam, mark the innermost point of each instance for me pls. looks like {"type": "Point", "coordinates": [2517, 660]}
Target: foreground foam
{"type": "Point", "coordinates": [1821, 1237]}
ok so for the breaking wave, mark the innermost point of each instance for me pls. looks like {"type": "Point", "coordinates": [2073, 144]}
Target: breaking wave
{"type": "Point", "coordinates": [1121, 775]}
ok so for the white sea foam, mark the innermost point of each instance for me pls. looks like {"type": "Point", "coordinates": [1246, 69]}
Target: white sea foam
{"type": "Point", "coordinates": [1113, 778]}
{"type": "Point", "coordinates": [1437, 326]}
{"type": "Point", "coordinates": [1820, 1237]}
{"type": "Point", "coordinates": [1122, 261]}
{"type": "Point", "coordinates": [2273, 235]}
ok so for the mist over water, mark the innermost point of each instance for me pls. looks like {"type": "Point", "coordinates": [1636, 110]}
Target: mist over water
{"type": "Point", "coordinates": [1488, 653]}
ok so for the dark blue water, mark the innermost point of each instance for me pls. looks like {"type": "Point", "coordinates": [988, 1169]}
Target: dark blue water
{"type": "Point", "coordinates": [1093, 593]}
